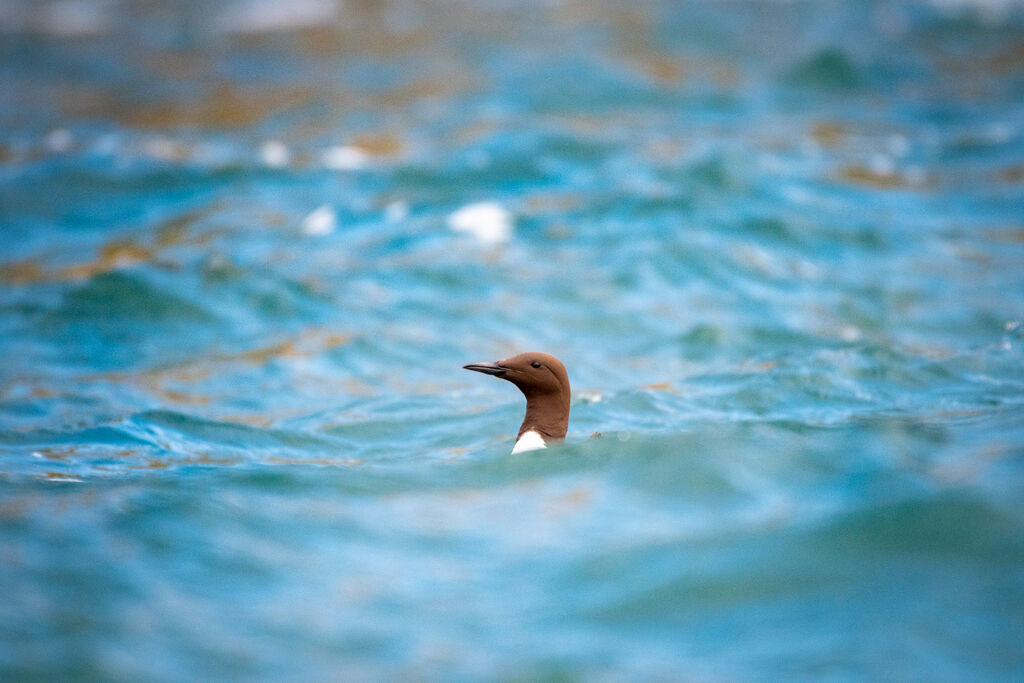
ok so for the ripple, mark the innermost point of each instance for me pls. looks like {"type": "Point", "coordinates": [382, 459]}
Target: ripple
{"type": "Point", "coordinates": [248, 249]}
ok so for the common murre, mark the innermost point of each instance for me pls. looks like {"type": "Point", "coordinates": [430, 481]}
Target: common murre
{"type": "Point", "coordinates": [545, 383]}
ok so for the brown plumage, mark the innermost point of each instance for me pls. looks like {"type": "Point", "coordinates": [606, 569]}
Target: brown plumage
{"type": "Point", "coordinates": [545, 384]}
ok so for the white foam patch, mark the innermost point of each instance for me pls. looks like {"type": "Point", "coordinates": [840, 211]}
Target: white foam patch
{"type": "Point", "coordinates": [323, 220]}
{"type": "Point", "coordinates": [275, 154]}
{"type": "Point", "coordinates": [59, 140]}
{"type": "Point", "coordinates": [164, 149]}
{"type": "Point", "coordinates": [77, 18]}
{"type": "Point", "coordinates": [344, 158]}
{"type": "Point", "coordinates": [989, 11]}
{"type": "Point", "coordinates": [396, 211]}
{"type": "Point", "coordinates": [264, 16]}
{"type": "Point", "coordinates": [488, 222]}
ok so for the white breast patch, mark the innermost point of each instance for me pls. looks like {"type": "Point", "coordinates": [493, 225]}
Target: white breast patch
{"type": "Point", "coordinates": [529, 441]}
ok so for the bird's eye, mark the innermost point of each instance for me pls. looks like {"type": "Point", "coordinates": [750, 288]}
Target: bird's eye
{"type": "Point", "coordinates": [535, 363]}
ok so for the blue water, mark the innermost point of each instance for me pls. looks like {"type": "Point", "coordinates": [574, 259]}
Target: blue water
{"type": "Point", "coordinates": [779, 247]}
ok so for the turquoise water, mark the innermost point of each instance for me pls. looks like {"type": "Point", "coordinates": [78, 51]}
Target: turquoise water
{"type": "Point", "coordinates": [246, 250]}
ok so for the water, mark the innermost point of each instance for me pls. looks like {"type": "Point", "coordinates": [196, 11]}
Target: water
{"type": "Point", "coordinates": [246, 250]}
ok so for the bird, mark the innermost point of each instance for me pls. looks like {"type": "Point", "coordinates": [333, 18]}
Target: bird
{"type": "Point", "coordinates": [545, 384]}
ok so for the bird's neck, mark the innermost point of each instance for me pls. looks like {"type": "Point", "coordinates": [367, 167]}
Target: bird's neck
{"type": "Point", "coordinates": [546, 414]}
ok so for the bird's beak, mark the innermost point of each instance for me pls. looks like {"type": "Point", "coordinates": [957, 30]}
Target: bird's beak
{"type": "Point", "coordinates": [486, 368]}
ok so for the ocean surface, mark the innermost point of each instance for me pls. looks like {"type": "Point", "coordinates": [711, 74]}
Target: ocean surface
{"type": "Point", "coordinates": [246, 247]}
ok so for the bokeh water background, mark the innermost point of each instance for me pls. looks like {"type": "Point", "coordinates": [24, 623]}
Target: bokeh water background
{"type": "Point", "coordinates": [247, 245]}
